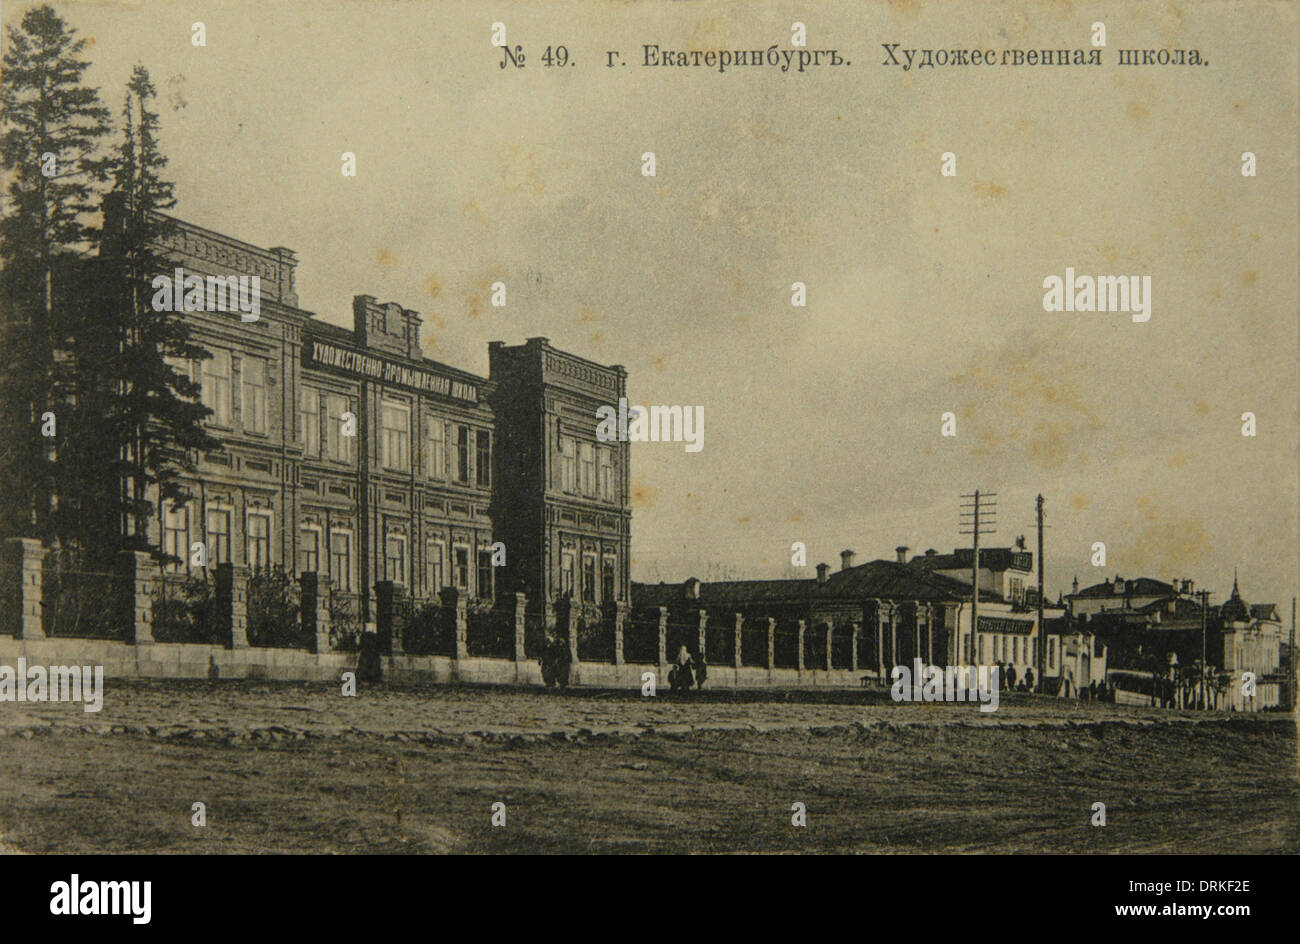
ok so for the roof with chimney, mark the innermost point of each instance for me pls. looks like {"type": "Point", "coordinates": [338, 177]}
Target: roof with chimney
{"type": "Point", "coordinates": [877, 579]}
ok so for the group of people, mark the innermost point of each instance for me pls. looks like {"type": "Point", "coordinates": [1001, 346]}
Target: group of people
{"type": "Point", "coordinates": [1007, 673]}
{"type": "Point", "coordinates": [687, 671]}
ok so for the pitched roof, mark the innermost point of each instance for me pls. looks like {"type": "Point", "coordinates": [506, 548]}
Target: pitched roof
{"type": "Point", "coordinates": [726, 591]}
{"type": "Point", "coordinates": [890, 580]}
{"type": "Point", "coordinates": [880, 579]}
{"type": "Point", "coordinates": [1137, 587]}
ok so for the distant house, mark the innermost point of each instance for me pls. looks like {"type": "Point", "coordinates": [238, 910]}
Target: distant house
{"type": "Point", "coordinates": [1149, 625]}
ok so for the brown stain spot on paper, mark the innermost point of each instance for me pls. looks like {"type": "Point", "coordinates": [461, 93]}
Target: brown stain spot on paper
{"type": "Point", "coordinates": [659, 363]}
{"type": "Point", "coordinates": [796, 517]}
{"type": "Point", "coordinates": [521, 171]}
{"type": "Point", "coordinates": [743, 519]}
{"type": "Point", "coordinates": [1051, 395]}
{"type": "Point", "coordinates": [474, 304]}
{"type": "Point", "coordinates": [1079, 501]}
{"type": "Point", "coordinates": [1202, 408]}
{"type": "Point", "coordinates": [644, 496]}
{"type": "Point", "coordinates": [1137, 111]}
{"type": "Point", "coordinates": [386, 259]}
{"type": "Point", "coordinates": [1249, 277]}
{"type": "Point", "coordinates": [586, 316]}
{"type": "Point", "coordinates": [1171, 539]}
{"type": "Point", "coordinates": [992, 190]}
{"type": "Point", "coordinates": [432, 286]}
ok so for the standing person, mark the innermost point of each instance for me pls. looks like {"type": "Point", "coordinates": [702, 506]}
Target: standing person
{"type": "Point", "coordinates": [563, 662]}
{"type": "Point", "coordinates": [1003, 682]}
{"type": "Point", "coordinates": [1029, 680]}
{"type": "Point", "coordinates": [683, 679]}
{"type": "Point", "coordinates": [701, 670]}
{"type": "Point", "coordinates": [1011, 678]}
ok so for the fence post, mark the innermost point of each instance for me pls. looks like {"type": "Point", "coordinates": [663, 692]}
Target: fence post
{"type": "Point", "coordinates": [617, 612]}
{"type": "Point", "coordinates": [771, 642]}
{"type": "Point", "coordinates": [521, 628]}
{"type": "Point", "coordinates": [456, 606]}
{"type": "Point", "coordinates": [232, 604]}
{"type": "Point", "coordinates": [799, 628]}
{"type": "Point", "coordinates": [703, 616]}
{"type": "Point", "coordinates": [316, 610]}
{"type": "Point", "coordinates": [137, 570]}
{"type": "Point", "coordinates": [387, 598]}
{"type": "Point", "coordinates": [736, 659]}
{"type": "Point", "coordinates": [661, 613]}
{"type": "Point", "coordinates": [24, 558]}
{"type": "Point", "coordinates": [567, 625]}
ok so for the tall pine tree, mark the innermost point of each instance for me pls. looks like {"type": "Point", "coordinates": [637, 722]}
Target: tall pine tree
{"type": "Point", "coordinates": [53, 124]}
{"type": "Point", "coordinates": [149, 405]}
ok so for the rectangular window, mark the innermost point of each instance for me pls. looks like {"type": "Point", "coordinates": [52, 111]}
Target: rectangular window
{"type": "Point", "coordinates": [259, 541]}
{"type": "Point", "coordinates": [216, 387]}
{"type": "Point", "coordinates": [482, 458]}
{"type": "Point", "coordinates": [433, 567]}
{"type": "Point", "coordinates": [485, 574]}
{"type": "Point", "coordinates": [338, 444]}
{"type": "Point", "coordinates": [569, 464]}
{"type": "Point", "coordinates": [608, 580]}
{"type": "Point", "coordinates": [309, 421]}
{"type": "Point", "coordinates": [395, 436]}
{"type": "Point", "coordinates": [176, 535]}
{"type": "Point", "coordinates": [308, 551]}
{"type": "Point", "coordinates": [462, 454]}
{"type": "Point", "coordinates": [254, 374]}
{"type": "Point", "coordinates": [395, 558]}
{"type": "Point", "coordinates": [341, 559]}
{"type": "Point", "coordinates": [436, 448]}
{"type": "Point", "coordinates": [566, 574]}
{"type": "Point", "coordinates": [587, 468]}
{"type": "Point", "coordinates": [605, 472]}
{"type": "Point", "coordinates": [218, 537]}
{"type": "Point", "coordinates": [460, 562]}
{"type": "Point", "coordinates": [588, 578]}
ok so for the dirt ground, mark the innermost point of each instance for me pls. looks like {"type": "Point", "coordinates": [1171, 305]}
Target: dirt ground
{"type": "Point", "coordinates": [894, 781]}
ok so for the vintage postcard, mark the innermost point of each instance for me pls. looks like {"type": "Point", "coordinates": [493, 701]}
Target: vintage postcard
{"type": "Point", "coordinates": [649, 427]}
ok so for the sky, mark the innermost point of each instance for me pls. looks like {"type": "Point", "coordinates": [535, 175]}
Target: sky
{"type": "Point", "coordinates": [924, 292]}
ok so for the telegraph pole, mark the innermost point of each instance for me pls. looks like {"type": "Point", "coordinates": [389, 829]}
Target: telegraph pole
{"type": "Point", "coordinates": [1290, 661]}
{"type": "Point", "coordinates": [971, 524]}
{"type": "Point", "coordinates": [1041, 661]}
{"type": "Point", "coordinates": [1205, 665]}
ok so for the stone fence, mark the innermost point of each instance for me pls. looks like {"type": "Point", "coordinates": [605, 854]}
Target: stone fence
{"type": "Point", "coordinates": [454, 640]}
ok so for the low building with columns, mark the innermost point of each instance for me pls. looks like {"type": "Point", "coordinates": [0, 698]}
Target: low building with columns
{"type": "Point", "coordinates": [881, 613]}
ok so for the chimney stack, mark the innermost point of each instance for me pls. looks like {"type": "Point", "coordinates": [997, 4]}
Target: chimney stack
{"type": "Point", "coordinates": [901, 551]}
{"type": "Point", "coordinates": [846, 559]}
{"type": "Point", "coordinates": [822, 571]}
{"type": "Point", "coordinates": [692, 588]}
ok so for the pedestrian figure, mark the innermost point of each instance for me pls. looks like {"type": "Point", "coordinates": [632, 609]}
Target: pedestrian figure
{"type": "Point", "coordinates": [682, 679]}
{"type": "Point", "coordinates": [1011, 678]}
{"type": "Point", "coordinates": [701, 670]}
{"type": "Point", "coordinates": [1029, 680]}
{"type": "Point", "coordinates": [1004, 683]}
{"type": "Point", "coordinates": [369, 668]}
{"type": "Point", "coordinates": [563, 662]}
